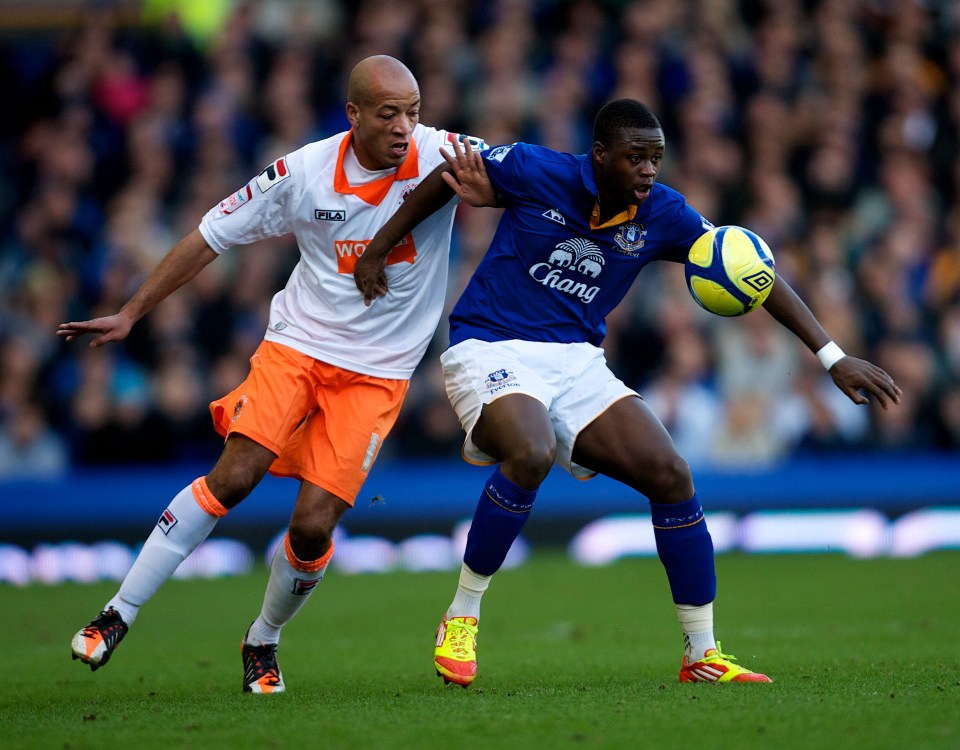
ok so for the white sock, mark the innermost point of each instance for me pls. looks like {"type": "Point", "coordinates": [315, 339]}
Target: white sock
{"type": "Point", "coordinates": [697, 624]}
{"type": "Point", "coordinates": [466, 602]}
{"type": "Point", "coordinates": [186, 522]}
{"type": "Point", "coordinates": [291, 582]}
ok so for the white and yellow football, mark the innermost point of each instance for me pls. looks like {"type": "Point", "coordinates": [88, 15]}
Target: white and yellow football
{"type": "Point", "coordinates": [730, 271]}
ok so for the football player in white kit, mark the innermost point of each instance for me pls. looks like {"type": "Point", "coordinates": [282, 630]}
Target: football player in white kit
{"type": "Point", "coordinates": [327, 382]}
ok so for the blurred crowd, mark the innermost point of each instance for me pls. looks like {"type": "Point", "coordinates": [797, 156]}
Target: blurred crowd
{"type": "Point", "coordinates": [829, 127]}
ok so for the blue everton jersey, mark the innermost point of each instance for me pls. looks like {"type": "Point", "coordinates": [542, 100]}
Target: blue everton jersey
{"type": "Point", "coordinates": [548, 275]}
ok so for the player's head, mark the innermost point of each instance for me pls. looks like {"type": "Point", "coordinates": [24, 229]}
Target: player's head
{"type": "Point", "coordinates": [383, 106]}
{"type": "Point", "coordinates": [628, 148]}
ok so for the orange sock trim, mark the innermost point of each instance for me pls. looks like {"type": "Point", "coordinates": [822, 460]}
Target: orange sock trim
{"type": "Point", "coordinates": [205, 498]}
{"type": "Point", "coordinates": [306, 566]}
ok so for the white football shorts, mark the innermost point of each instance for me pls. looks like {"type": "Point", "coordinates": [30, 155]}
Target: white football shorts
{"type": "Point", "coordinates": [571, 380]}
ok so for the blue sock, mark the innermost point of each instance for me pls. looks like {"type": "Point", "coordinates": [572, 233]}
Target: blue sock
{"type": "Point", "coordinates": [503, 509]}
{"type": "Point", "coordinates": [686, 550]}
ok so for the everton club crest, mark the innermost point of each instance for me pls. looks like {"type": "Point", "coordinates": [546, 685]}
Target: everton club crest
{"type": "Point", "coordinates": [630, 238]}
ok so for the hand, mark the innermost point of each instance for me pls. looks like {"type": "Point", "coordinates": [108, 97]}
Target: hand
{"type": "Point", "coordinates": [853, 375]}
{"type": "Point", "coordinates": [370, 277]}
{"type": "Point", "coordinates": [111, 328]}
{"type": "Point", "coordinates": [469, 176]}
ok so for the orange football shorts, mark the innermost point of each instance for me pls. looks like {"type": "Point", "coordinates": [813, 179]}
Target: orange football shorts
{"type": "Point", "coordinates": [324, 423]}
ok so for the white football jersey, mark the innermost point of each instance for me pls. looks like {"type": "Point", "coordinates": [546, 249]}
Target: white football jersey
{"type": "Point", "coordinates": [334, 207]}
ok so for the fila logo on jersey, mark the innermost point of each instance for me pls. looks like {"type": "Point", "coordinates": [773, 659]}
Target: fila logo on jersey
{"type": "Point", "coordinates": [329, 214]}
{"type": "Point", "coordinates": [167, 521]}
{"type": "Point", "coordinates": [554, 215]}
{"type": "Point", "coordinates": [272, 175]}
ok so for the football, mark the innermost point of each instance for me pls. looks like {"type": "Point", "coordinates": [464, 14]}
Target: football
{"type": "Point", "coordinates": [730, 271]}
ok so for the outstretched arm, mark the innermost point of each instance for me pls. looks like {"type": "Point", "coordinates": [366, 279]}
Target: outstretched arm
{"type": "Point", "coordinates": [463, 175]}
{"type": "Point", "coordinates": [851, 375]}
{"type": "Point", "coordinates": [184, 261]}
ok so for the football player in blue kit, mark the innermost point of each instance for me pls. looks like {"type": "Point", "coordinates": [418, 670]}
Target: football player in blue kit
{"type": "Point", "coordinates": [527, 377]}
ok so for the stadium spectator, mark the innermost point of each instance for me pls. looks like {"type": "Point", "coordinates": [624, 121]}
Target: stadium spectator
{"type": "Point", "coordinates": [326, 383]}
{"type": "Point", "coordinates": [816, 418]}
{"type": "Point", "coordinates": [681, 396]}
{"type": "Point", "coordinates": [29, 448]}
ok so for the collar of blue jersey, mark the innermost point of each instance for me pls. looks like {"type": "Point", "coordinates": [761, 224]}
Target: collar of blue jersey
{"type": "Point", "coordinates": [590, 183]}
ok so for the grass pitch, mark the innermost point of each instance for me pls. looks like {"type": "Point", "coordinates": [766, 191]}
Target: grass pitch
{"type": "Point", "coordinates": [862, 653]}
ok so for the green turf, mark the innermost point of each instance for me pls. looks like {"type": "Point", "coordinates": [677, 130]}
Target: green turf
{"type": "Point", "coordinates": [863, 654]}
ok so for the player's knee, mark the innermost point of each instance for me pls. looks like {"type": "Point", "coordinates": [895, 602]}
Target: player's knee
{"type": "Point", "coordinates": [239, 469]}
{"type": "Point", "coordinates": [668, 480]}
{"type": "Point", "coordinates": [311, 527]}
{"type": "Point", "coordinates": [529, 461]}
{"type": "Point", "coordinates": [232, 486]}
{"type": "Point", "coordinates": [310, 538]}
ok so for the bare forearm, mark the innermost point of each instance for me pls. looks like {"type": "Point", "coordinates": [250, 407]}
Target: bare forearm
{"type": "Point", "coordinates": [184, 261]}
{"type": "Point", "coordinates": [463, 175]}
{"type": "Point", "coordinates": [789, 310]}
{"type": "Point", "coordinates": [854, 377]}
{"type": "Point", "coordinates": [181, 264]}
{"type": "Point", "coordinates": [430, 196]}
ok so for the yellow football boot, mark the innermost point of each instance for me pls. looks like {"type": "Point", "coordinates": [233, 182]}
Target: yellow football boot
{"type": "Point", "coordinates": [455, 656]}
{"type": "Point", "coordinates": [717, 667]}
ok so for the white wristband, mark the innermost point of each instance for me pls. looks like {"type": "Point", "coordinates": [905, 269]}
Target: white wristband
{"type": "Point", "coordinates": [829, 354]}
